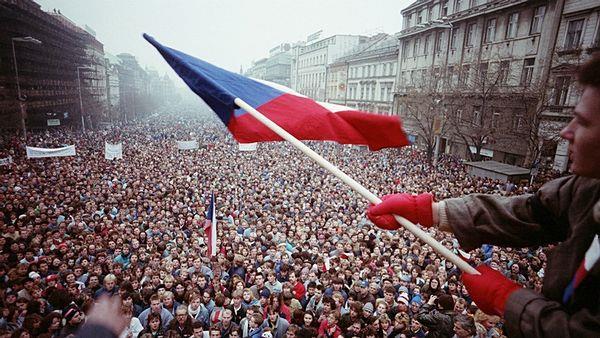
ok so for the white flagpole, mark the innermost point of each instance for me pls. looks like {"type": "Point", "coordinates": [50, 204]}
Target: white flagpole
{"type": "Point", "coordinates": [408, 225]}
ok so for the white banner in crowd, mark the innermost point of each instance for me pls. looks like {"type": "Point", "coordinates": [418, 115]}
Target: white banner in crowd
{"type": "Point", "coordinates": [112, 151]}
{"type": "Point", "coordinates": [248, 146]}
{"type": "Point", "coordinates": [187, 145]}
{"type": "Point", "coordinates": [53, 122]}
{"type": "Point", "coordinates": [6, 160]}
{"type": "Point", "coordinates": [33, 152]}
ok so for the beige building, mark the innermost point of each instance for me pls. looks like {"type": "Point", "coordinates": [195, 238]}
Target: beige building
{"type": "Point", "coordinates": [365, 79]}
{"type": "Point", "coordinates": [485, 64]}
{"type": "Point", "coordinates": [313, 59]}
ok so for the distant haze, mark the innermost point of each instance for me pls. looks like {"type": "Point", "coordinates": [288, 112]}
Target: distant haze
{"type": "Point", "coordinates": [226, 33]}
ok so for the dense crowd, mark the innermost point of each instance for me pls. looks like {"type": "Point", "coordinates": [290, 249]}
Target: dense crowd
{"type": "Point", "coordinates": [297, 256]}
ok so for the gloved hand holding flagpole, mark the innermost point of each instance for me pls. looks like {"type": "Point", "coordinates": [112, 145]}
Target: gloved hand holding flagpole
{"type": "Point", "coordinates": [225, 92]}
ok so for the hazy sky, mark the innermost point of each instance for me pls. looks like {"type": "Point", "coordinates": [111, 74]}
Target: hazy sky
{"type": "Point", "coordinates": [227, 33]}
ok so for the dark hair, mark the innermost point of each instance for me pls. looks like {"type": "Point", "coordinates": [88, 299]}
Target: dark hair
{"type": "Point", "coordinates": [306, 333]}
{"type": "Point", "coordinates": [47, 321]}
{"type": "Point", "coordinates": [197, 325]}
{"type": "Point", "coordinates": [152, 316]}
{"type": "Point", "coordinates": [588, 74]}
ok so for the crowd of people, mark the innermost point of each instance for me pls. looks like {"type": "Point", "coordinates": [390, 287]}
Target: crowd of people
{"type": "Point", "coordinates": [297, 255]}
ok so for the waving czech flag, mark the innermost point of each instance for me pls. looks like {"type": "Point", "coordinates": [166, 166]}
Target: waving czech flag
{"type": "Point", "coordinates": [299, 115]}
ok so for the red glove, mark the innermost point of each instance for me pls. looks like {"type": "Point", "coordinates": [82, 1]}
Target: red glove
{"type": "Point", "coordinates": [417, 209]}
{"type": "Point", "coordinates": [490, 290]}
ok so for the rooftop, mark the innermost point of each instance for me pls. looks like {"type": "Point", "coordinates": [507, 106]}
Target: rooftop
{"type": "Point", "coordinates": [498, 167]}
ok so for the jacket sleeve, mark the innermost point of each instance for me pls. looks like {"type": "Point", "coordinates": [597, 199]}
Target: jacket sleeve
{"type": "Point", "coordinates": [519, 221]}
{"type": "Point", "coordinates": [529, 314]}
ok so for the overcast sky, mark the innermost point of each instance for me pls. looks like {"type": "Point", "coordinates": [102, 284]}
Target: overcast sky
{"type": "Point", "coordinates": [227, 33]}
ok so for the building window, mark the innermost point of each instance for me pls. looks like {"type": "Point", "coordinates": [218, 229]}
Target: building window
{"type": "Point", "coordinates": [503, 71]}
{"type": "Point", "coordinates": [477, 115]}
{"type": "Point", "coordinates": [438, 44]}
{"type": "Point", "coordinates": [527, 73]}
{"type": "Point", "coordinates": [464, 76]}
{"type": "Point", "coordinates": [450, 75]}
{"type": "Point", "coordinates": [416, 47]}
{"type": "Point", "coordinates": [561, 90]}
{"type": "Point", "coordinates": [537, 20]}
{"type": "Point", "coordinates": [517, 122]}
{"type": "Point", "coordinates": [470, 34]}
{"type": "Point", "coordinates": [453, 38]}
{"type": "Point", "coordinates": [490, 30]}
{"type": "Point", "coordinates": [430, 14]}
{"type": "Point", "coordinates": [574, 30]}
{"type": "Point", "coordinates": [458, 115]}
{"type": "Point", "coordinates": [457, 5]}
{"type": "Point", "coordinates": [512, 26]}
{"type": "Point", "coordinates": [483, 71]}
{"type": "Point", "coordinates": [444, 11]}
{"type": "Point", "coordinates": [495, 120]}
{"type": "Point", "coordinates": [426, 44]}
{"type": "Point", "coordinates": [419, 17]}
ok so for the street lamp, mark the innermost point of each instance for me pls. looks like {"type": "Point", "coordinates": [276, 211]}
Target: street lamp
{"type": "Point", "coordinates": [80, 99]}
{"type": "Point", "coordinates": [27, 39]}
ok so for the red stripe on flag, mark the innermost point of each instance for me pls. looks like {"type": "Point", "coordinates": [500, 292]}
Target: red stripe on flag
{"type": "Point", "coordinates": [307, 120]}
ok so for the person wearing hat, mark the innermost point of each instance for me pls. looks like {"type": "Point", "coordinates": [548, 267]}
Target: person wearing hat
{"type": "Point", "coordinates": [72, 320]}
{"type": "Point", "coordinates": [363, 295]}
{"type": "Point", "coordinates": [402, 304]}
{"type": "Point", "coordinates": [367, 313]}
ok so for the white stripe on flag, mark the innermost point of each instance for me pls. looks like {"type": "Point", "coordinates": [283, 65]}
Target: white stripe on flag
{"type": "Point", "coordinates": [592, 254]}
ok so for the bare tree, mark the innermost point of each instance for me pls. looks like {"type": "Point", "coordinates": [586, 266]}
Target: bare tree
{"type": "Point", "coordinates": [482, 109]}
{"type": "Point", "coordinates": [425, 111]}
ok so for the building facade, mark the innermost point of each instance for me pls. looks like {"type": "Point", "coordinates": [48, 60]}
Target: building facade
{"type": "Point", "coordinates": [294, 54]}
{"type": "Point", "coordinates": [112, 65]}
{"type": "Point", "coordinates": [46, 54]}
{"type": "Point", "coordinates": [313, 59]}
{"type": "Point", "coordinates": [486, 62]}
{"type": "Point", "coordinates": [278, 65]}
{"type": "Point", "coordinates": [372, 75]}
{"type": "Point", "coordinates": [130, 86]}
{"type": "Point", "coordinates": [258, 69]}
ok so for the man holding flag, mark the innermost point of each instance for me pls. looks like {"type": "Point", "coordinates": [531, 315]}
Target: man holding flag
{"type": "Point", "coordinates": [564, 211]}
